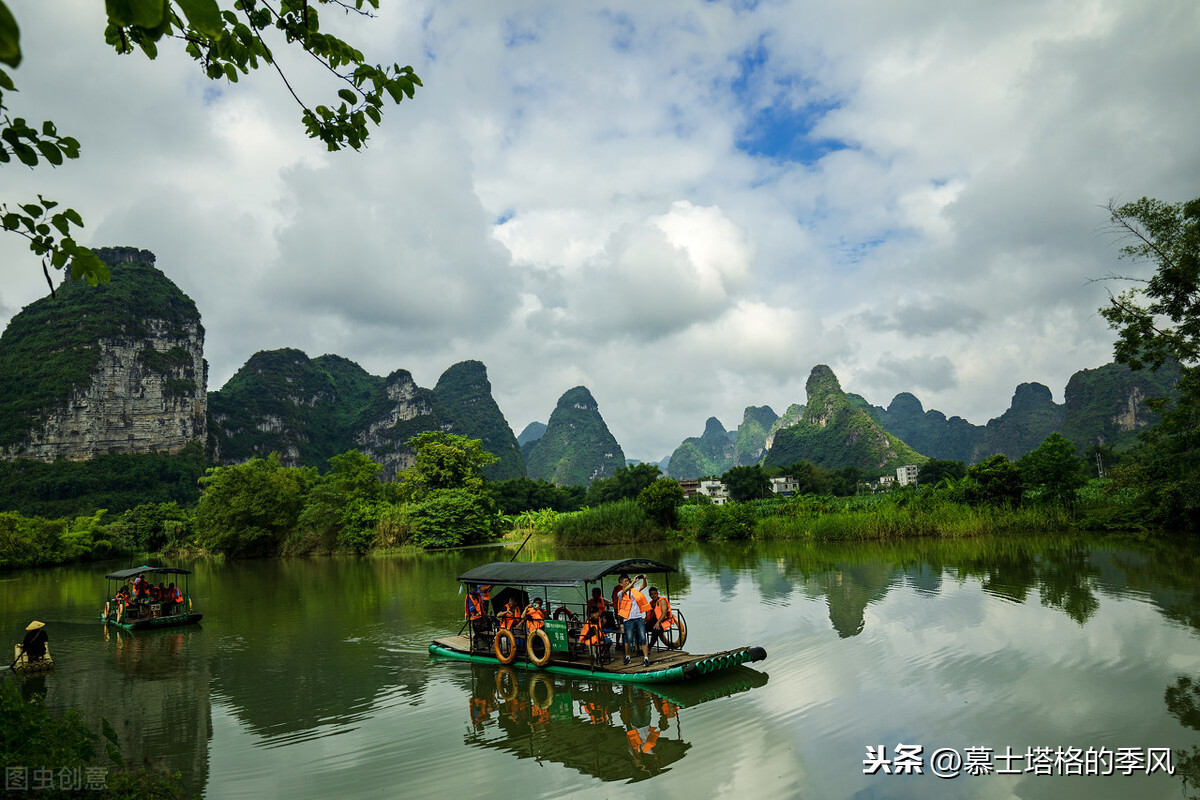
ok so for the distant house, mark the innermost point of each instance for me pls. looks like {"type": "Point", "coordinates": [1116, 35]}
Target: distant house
{"type": "Point", "coordinates": [907, 475]}
{"type": "Point", "coordinates": [885, 484]}
{"type": "Point", "coordinates": [690, 489]}
{"type": "Point", "coordinates": [715, 490]}
{"type": "Point", "coordinates": [785, 486]}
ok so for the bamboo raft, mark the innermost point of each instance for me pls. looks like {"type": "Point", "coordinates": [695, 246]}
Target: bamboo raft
{"type": "Point", "coordinates": [665, 666]}
{"type": "Point", "coordinates": [22, 664]}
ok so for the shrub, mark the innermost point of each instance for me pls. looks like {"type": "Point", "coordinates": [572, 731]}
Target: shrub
{"type": "Point", "coordinates": [622, 522]}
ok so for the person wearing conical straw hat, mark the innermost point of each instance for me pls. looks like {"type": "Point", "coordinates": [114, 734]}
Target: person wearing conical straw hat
{"type": "Point", "coordinates": [34, 644]}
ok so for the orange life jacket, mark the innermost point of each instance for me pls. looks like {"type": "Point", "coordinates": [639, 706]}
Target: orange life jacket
{"type": "Point", "coordinates": [590, 633]}
{"type": "Point", "coordinates": [176, 595]}
{"type": "Point", "coordinates": [473, 606]}
{"type": "Point", "coordinates": [597, 604]}
{"type": "Point", "coordinates": [636, 743]}
{"type": "Point", "coordinates": [509, 616]}
{"type": "Point", "coordinates": [485, 592]}
{"type": "Point", "coordinates": [662, 613]}
{"type": "Point", "coordinates": [534, 618]}
{"type": "Point", "coordinates": [627, 599]}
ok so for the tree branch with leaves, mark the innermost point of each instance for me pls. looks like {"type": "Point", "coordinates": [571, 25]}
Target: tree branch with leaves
{"type": "Point", "coordinates": [226, 42]}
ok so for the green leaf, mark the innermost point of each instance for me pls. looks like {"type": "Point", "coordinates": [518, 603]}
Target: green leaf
{"type": "Point", "coordinates": [50, 152]}
{"type": "Point", "coordinates": [10, 40]}
{"type": "Point", "coordinates": [31, 209]}
{"type": "Point", "coordinates": [143, 13]}
{"type": "Point", "coordinates": [25, 153]}
{"type": "Point", "coordinates": [203, 15]}
{"type": "Point", "coordinates": [347, 95]}
{"type": "Point", "coordinates": [73, 215]}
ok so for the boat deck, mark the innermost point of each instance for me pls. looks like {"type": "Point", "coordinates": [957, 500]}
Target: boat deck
{"type": "Point", "coordinates": [665, 665]}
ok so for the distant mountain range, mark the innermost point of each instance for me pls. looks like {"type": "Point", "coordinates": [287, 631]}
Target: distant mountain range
{"type": "Point", "coordinates": [119, 369]}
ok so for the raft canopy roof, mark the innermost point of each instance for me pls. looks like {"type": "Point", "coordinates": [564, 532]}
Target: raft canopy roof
{"type": "Point", "coordinates": [126, 574]}
{"type": "Point", "coordinates": [558, 573]}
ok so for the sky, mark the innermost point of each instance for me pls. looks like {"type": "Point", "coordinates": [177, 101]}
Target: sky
{"type": "Point", "coordinates": [683, 206]}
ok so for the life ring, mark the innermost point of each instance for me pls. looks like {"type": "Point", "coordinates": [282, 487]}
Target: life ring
{"type": "Point", "coordinates": [538, 635]}
{"type": "Point", "coordinates": [562, 612]}
{"type": "Point", "coordinates": [509, 694]}
{"type": "Point", "coordinates": [121, 611]}
{"type": "Point", "coordinates": [508, 653]}
{"type": "Point", "coordinates": [105, 611]}
{"type": "Point", "coordinates": [675, 636]}
{"type": "Point", "coordinates": [189, 605]}
{"type": "Point", "coordinates": [540, 679]}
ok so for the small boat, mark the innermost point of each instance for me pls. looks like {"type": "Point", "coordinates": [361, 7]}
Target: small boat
{"type": "Point", "coordinates": [23, 665]}
{"type": "Point", "coordinates": [555, 647]}
{"type": "Point", "coordinates": [135, 612]}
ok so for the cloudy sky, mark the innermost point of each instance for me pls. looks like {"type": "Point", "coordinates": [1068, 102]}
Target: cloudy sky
{"type": "Point", "coordinates": [683, 206]}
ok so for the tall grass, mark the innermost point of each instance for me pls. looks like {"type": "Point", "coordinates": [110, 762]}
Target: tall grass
{"type": "Point", "coordinates": [892, 521]}
{"type": "Point", "coordinates": [622, 522]}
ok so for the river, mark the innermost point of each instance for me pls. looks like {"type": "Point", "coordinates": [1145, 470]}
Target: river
{"type": "Point", "coordinates": [312, 678]}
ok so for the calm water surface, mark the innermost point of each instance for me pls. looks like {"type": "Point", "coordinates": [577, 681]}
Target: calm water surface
{"type": "Point", "coordinates": [312, 679]}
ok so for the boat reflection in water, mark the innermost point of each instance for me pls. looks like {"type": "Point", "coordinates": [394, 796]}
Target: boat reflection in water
{"type": "Point", "coordinates": [614, 732]}
{"type": "Point", "coordinates": [149, 653]}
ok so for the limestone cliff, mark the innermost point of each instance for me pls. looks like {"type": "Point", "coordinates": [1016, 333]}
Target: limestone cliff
{"type": "Point", "coordinates": [115, 368]}
{"type": "Point", "coordinates": [403, 411]}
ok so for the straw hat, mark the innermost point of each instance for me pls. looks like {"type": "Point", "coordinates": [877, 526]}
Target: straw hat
{"type": "Point", "coordinates": [33, 626]}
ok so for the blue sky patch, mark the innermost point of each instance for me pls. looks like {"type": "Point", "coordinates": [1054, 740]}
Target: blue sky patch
{"type": "Point", "coordinates": [776, 127]}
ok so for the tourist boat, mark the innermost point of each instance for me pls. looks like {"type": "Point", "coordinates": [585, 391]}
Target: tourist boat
{"type": "Point", "coordinates": [555, 647]}
{"type": "Point", "coordinates": [147, 613]}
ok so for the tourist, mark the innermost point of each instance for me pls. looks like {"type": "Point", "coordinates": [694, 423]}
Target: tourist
{"type": "Point", "coordinates": [594, 639]}
{"type": "Point", "coordinates": [632, 606]}
{"type": "Point", "coordinates": [660, 619]}
{"type": "Point", "coordinates": [534, 616]}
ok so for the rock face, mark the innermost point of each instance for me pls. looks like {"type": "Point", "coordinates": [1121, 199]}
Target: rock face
{"type": "Point", "coordinates": [835, 433]}
{"type": "Point", "coordinates": [116, 368]}
{"type": "Point", "coordinates": [1107, 405]}
{"type": "Point", "coordinates": [282, 401]}
{"type": "Point", "coordinates": [577, 446]}
{"type": "Point", "coordinates": [407, 410]}
{"type": "Point", "coordinates": [309, 410]}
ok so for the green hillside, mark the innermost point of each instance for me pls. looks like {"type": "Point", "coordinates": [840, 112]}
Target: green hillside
{"type": "Point", "coordinates": [463, 396]}
{"type": "Point", "coordinates": [577, 446]}
{"type": "Point", "coordinates": [835, 433]}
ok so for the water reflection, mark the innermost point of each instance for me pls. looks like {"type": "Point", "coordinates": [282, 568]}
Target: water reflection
{"type": "Point", "coordinates": [610, 731]}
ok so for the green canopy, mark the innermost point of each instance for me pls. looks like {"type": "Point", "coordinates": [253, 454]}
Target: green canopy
{"type": "Point", "coordinates": [558, 573]}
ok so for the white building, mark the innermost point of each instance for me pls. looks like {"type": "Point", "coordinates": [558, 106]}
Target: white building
{"type": "Point", "coordinates": [907, 475]}
{"type": "Point", "coordinates": [716, 490]}
{"type": "Point", "coordinates": [786, 486]}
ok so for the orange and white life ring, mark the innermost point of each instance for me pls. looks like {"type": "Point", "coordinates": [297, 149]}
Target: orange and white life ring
{"type": "Point", "coordinates": [506, 653]}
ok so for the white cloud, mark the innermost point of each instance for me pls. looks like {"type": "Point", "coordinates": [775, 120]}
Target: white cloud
{"type": "Point", "coordinates": [566, 199]}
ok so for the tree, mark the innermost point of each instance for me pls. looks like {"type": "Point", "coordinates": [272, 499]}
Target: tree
{"type": "Point", "coordinates": [247, 509]}
{"type": "Point", "coordinates": [344, 506]}
{"type": "Point", "coordinates": [994, 481]}
{"type": "Point", "coordinates": [444, 461]}
{"type": "Point", "coordinates": [746, 483]}
{"type": "Point", "coordinates": [626, 483]}
{"type": "Point", "coordinates": [224, 42]}
{"type": "Point", "coordinates": [935, 470]}
{"type": "Point", "coordinates": [661, 501]}
{"type": "Point", "coordinates": [1054, 469]}
{"type": "Point", "coordinates": [1158, 322]}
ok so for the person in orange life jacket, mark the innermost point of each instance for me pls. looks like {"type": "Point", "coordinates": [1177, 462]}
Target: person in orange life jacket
{"type": "Point", "coordinates": [597, 603]}
{"type": "Point", "coordinates": [476, 611]}
{"type": "Point", "coordinates": [509, 616]}
{"type": "Point", "coordinates": [534, 616]}
{"type": "Point", "coordinates": [632, 606]}
{"type": "Point", "coordinates": [592, 636]}
{"type": "Point", "coordinates": [174, 595]}
{"type": "Point", "coordinates": [660, 618]}
{"type": "Point", "coordinates": [140, 589]}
